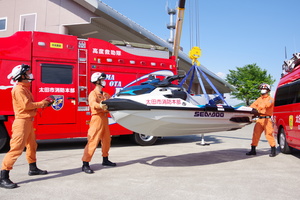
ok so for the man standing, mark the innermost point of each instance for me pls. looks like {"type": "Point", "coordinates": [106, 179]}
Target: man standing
{"type": "Point", "coordinates": [99, 128]}
{"type": "Point", "coordinates": [22, 129]}
{"type": "Point", "coordinates": [263, 107]}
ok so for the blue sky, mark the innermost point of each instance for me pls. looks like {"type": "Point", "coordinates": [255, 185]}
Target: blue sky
{"type": "Point", "coordinates": [232, 33]}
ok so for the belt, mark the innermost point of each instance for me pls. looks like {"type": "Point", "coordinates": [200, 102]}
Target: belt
{"type": "Point", "coordinates": [99, 114]}
{"type": "Point", "coordinates": [261, 117]}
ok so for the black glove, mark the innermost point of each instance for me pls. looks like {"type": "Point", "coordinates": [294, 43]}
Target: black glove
{"type": "Point", "coordinates": [254, 111]}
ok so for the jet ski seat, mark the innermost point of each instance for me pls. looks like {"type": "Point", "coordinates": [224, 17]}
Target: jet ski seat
{"type": "Point", "coordinates": [177, 94]}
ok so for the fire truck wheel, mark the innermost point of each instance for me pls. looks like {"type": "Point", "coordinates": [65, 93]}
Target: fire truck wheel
{"type": "Point", "coordinates": [4, 138]}
{"type": "Point", "coordinates": [284, 147]}
{"type": "Point", "coordinates": [143, 140]}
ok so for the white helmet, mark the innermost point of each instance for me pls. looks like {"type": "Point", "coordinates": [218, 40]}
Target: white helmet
{"type": "Point", "coordinates": [18, 71]}
{"type": "Point", "coordinates": [97, 76]}
{"type": "Point", "coordinates": [264, 86]}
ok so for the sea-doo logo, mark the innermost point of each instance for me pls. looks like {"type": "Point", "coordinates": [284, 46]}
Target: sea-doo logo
{"type": "Point", "coordinates": [58, 103]}
{"type": "Point", "coordinates": [208, 114]}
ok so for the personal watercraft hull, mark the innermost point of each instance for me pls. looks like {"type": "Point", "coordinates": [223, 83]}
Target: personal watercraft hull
{"type": "Point", "coordinates": [175, 121]}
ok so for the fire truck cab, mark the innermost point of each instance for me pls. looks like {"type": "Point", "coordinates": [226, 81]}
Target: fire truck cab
{"type": "Point", "coordinates": [287, 106]}
{"type": "Point", "coordinates": [62, 66]}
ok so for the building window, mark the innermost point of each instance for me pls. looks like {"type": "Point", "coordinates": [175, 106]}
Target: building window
{"type": "Point", "coordinates": [3, 24]}
{"type": "Point", "coordinates": [28, 22]}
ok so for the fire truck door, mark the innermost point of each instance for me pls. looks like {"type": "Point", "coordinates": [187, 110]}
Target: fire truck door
{"type": "Point", "coordinates": [57, 80]}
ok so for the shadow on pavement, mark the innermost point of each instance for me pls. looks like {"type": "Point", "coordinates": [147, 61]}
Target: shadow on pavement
{"type": "Point", "coordinates": [79, 143]}
{"type": "Point", "coordinates": [188, 139]}
{"type": "Point", "coordinates": [184, 160]}
{"type": "Point", "coordinates": [296, 153]}
{"type": "Point", "coordinates": [196, 159]}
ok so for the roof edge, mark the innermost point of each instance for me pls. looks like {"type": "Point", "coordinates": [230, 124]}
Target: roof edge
{"type": "Point", "coordinates": [97, 6]}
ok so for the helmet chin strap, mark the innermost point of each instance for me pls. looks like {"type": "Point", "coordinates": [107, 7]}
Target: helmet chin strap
{"type": "Point", "coordinates": [30, 79]}
{"type": "Point", "coordinates": [99, 83]}
{"type": "Point", "coordinates": [27, 78]}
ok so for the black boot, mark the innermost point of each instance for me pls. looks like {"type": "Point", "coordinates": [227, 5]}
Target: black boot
{"type": "Point", "coordinates": [273, 152]}
{"type": "Point", "coordinates": [252, 152]}
{"type": "Point", "coordinates": [33, 170]}
{"type": "Point", "coordinates": [108, 163]}
{"type": "Point", "coordinates": [5, 182]}
{"type": "Point", "coordinates": [86, 168]}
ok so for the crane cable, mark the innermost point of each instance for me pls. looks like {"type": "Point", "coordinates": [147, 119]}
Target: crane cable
{"type": "Point", "coordinates": [194, 23]}
{"type": "Point", "coordinates": [194, 18]}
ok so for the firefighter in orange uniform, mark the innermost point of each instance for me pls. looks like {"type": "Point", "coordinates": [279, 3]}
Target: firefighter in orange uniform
{"type": "Point", "coordinates": [22, 129]}
{"type": "Point", "coordinates": [263, 107]}
{"type": "Point", "coordinates": [99, 128]}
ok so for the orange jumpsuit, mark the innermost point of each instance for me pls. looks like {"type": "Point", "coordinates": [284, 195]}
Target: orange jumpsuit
{"type": "Point", "coordinates": [22, 129]}
{"type": "Point", "coordinates": [99, 128]}
{"type": "Point", "coordinates": [264, 105]}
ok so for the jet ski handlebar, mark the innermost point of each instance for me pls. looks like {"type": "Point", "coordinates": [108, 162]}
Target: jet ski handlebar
{"type": "Point", "coordinates": [175, 77]}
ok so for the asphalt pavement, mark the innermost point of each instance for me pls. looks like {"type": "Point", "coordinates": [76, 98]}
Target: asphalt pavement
{"type": "Point", "coordinates": [174, 168]}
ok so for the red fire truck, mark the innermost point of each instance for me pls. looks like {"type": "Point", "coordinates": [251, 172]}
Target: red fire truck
{"type": "Point", "coordinates": [287, 106]}
{"type": "Point", "coordinates": [62, 66]}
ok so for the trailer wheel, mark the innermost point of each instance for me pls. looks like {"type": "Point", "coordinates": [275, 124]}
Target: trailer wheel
{"type": "Point", "coordinates": [143, 140]}
{"type": "Point", "coordinates": [284, 147]}
{"type": "Point", "coordinates": [4, 138]}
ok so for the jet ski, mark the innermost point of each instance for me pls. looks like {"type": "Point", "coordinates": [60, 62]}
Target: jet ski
{"type": "Point", "coordinates": [160, 108]}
